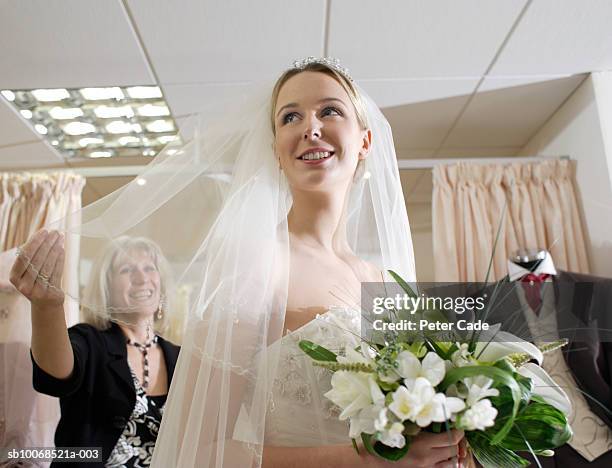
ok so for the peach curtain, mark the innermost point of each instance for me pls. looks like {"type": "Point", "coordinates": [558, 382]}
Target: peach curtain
{"type": "Point", "coordinates": [29, 202]}
{"type": "Point", "coordinates": [531, 204]}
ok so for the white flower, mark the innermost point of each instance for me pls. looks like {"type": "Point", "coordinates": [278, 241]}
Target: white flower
{"type": "Point", "coordinates": [461, 357]}
{"type": "Point", "coordinates": [503, 345]}
{"type": "Point", "coordinates": [381, 420]}
{"type": "Point", "coordinates": [432, 411]}
{"type": "Point", "coordinates": [393, 436]}
{"type": "Point", "coordinates": [421, 404]}
{"type": "Point", "coordinates": [546, 387]}
{"type": "Point", "coordinates": [406, 404]}
{"type": "Point", "coordinates": [364, 421]}
{"type": "Point", "coordinates": [390, 435]}
{"type": "Point", "coordinates": [410, 368]}
{"type": "Point", "coordinates": [354, 391]}
{"type": "Point", "coordinates": [479, 417]}
{"type": "Point", "coordinates": [478, 387]}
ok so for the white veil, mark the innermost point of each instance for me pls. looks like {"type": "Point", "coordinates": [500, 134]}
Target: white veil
{"type": "Point", "coordinates": [217, 206]}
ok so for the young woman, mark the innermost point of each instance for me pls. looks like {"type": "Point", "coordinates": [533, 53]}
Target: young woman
{"type": "Point", "coordinates": [314, 210]}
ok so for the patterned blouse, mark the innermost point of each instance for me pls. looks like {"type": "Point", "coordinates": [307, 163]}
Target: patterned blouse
{"type": "Point", "coordinates": [135, 445]}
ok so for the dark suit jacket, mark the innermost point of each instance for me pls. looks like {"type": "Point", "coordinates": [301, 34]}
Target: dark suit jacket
{"type": "Point", "coordinates": [98, 398]}
{"type": "Point", "coordinates": [584, 316]}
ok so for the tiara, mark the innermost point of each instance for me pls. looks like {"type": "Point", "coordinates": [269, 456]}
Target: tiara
{"type": "Point", "coordinates": [331, 62]}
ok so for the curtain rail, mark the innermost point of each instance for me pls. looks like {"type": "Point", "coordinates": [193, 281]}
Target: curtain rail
{"type": "Point", "coordinates": [403, 164]}
{"type": "Point", "coordinates": [430, 163]}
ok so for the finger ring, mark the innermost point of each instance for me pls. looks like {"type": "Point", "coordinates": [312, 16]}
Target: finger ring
{"type": "Point", "coordinates": [44, 277]}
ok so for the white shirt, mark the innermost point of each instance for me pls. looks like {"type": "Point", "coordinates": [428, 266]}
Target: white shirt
{"type": "Point", "coordinates": [545, 266]}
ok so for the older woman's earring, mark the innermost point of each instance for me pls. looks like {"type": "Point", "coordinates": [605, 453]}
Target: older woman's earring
{"type": "Point", "coordinates": [159, 314]}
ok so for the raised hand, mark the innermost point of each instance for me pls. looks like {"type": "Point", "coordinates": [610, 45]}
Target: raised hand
{"type": "Point", "coordinates": [37, 272]}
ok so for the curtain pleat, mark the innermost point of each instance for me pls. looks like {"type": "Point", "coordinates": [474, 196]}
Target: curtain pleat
{"type": "Point", "coordinates": [29, 202]}
{"type": "Point", "coordinates": [532, 205]}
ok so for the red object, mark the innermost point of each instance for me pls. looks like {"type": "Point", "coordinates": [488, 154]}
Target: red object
{"type": "Point", "coordinates": [532, 284]}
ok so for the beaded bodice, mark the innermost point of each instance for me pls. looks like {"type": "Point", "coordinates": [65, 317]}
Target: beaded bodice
{"type": "Point", "coordinates": [298, 413]}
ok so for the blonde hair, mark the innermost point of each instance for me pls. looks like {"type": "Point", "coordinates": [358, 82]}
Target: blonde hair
{"type": "Point", "coordinates": [96, 295]}
{"type": "Point", "coordinates": [348, 86]}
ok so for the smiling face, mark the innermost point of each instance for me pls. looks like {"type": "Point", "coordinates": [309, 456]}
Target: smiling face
{"type": "Point", "coordinates": [318, 137]}
{"type": "Point", "coordinates": [134, 282]}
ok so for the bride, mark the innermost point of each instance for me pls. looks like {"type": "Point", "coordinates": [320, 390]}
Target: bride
{"type": "Point", "coordinates": [315, 209]}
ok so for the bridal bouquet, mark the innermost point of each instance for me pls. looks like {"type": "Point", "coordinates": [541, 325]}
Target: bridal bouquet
{"type": "Point", "coordinates": [492, 390]}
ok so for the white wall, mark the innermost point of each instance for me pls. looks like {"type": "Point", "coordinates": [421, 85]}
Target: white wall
{"type": "Point", "coordinates": [602, 83]}
{"type": "Point", "coordinates": [420, 226]}
{"type": "Point", "coordinates": [576, 129]}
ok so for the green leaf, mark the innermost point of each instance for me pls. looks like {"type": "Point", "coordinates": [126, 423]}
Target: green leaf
{"type": "Point", "coordinates": [405, 286]}
{"type": "Point", "coordinates": [378, 449]}
{"type": "Point", "coordinates": [503, 364]}
{"type": "Point", "coordinates": [500, 378]}
{"type": "Point", "coordinates": [355, 446]}
{"type": "Point", "coordinates": [443, 349]}
{"type": "Point", "coordinates": [493, 456]}
{"type": "Point", "coordinates": [504, 402]}
{"type": "Point", "coordinates": [316, 352]}
{"type": "Point", "coordinates": [386, 386]}
{"type": "Point", "coordinates": [367, 443]}
{"type": "Point", "coordinates": [542, 425]}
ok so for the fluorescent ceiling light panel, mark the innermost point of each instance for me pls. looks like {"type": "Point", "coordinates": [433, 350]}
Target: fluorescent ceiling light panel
{"type": "Point", "coordinates": [90, 141]}
{"type": "Point", "coordinates": [144, 92]}
{"type": "Point", "coordinates": [104, 122]}
{"type": "Point", "coordinates": [165, 139]}
{"type": "Point", "coordinates": [99, 94]}
{"type": "Point", "coordinates": [51, 95]}
{"type": "Point", "coordinates": [150, 110]}
{"type": "Point", "coordinates": [100, 154]}
{"type": "Point", "coordinates": [129, 140]}
{"type": "Point", "coordinates": [107, 112]}
{"type": "Point", "coordinates": [63, 113]}
{"type": "Point", "coordinates": [160, 126]}
{"type": "Point", "coordinates": [79, 128]}
{"type": "Point", "coordinates": [8, 95]}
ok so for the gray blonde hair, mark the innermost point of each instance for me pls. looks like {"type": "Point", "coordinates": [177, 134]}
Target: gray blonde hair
{"type": "Point", "coordinates": [96, 295]}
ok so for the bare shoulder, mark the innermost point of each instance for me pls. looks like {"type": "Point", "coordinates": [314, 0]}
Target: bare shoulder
{"type": "Point", "coordinates": [371, 272]}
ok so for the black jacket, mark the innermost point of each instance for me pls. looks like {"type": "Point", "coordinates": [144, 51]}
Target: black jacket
{"type": "Point", "coordinates": [98, 398]}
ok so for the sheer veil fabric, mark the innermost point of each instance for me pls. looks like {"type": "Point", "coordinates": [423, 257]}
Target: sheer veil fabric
{"type": "Point", "coordinates": [217, 206]}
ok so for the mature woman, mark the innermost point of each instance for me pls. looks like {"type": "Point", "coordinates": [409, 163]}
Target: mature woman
{"type": "Point", "coordinates": [112, 373]}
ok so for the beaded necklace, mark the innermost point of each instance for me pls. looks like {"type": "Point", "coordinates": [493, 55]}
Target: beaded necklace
{"type": "Point", "coordinates": [144, 349]}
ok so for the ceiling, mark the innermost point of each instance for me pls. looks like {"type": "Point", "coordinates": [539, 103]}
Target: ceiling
{"type": "Point", "coordinates": [469, 78]}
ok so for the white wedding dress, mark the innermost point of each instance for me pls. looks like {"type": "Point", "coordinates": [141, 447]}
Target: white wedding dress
{"type": "Point", "coordinates": [298, 414]}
